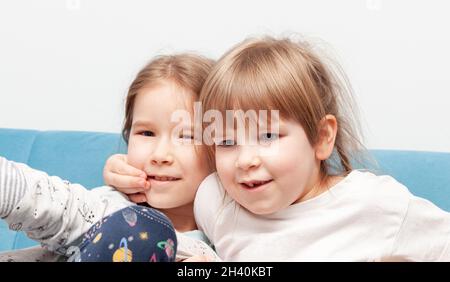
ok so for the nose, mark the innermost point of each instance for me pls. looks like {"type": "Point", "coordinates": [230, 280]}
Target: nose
{"type": "Point", "coordinates": [162, 154]}
{"type": "Point", "coordinates": [248, 157]}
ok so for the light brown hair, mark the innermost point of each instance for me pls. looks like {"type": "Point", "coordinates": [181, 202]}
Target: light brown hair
{"type": "Point", "coordinates": [188, 71]}
{"type": "Point", "coordinates": [281, 74]}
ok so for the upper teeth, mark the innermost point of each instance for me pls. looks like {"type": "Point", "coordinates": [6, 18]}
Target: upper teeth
{"type": "Point", "coordinates": [253, 183]}
{"type": "Point", "coordinates": [165, 178]}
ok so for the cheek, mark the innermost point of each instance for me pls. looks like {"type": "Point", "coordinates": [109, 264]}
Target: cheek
{"type": "Point", "coordinates": [137, 152]}
{"type": "Point", "coordinates": [194, 161]}
{"type": "Point", "coordinates": [292, 158]}
{"type": "Point", "coordinates": [225, 165]}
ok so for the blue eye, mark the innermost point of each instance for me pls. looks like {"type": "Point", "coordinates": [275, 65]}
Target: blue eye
{"type": "Point", "coordinates": [268, 137]}
{"type": "Point", "coordinates": [226, 143]}
{"type": "Point", "coordinates": [147, 133]}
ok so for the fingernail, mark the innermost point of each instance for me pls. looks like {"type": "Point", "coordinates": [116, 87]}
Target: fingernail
{"type": "Point", "coordinates": [141, 183]}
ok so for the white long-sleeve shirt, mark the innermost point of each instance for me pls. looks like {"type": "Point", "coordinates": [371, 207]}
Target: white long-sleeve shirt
{"type": "Point", "coordinates": [57, 213]}
{"type": "Point", "coordinates": [362, 218]}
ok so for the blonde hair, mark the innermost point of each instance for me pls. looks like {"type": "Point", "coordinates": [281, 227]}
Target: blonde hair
{"type": "Point", "coordinates": [188, 71]}
{"type": "Point", "coordinates": [280, 74]}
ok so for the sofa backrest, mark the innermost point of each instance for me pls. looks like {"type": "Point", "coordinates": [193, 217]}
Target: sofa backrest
{"type": "Point", "coordinates": [79, 157]}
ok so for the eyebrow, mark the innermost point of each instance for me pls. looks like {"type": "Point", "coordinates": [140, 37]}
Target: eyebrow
{"type": "Point", "coordinates": [269, 128]}
{"type": "Point", "coordinates": [142, 123]}
{"type": "Point", "coordinates": [152, 124]}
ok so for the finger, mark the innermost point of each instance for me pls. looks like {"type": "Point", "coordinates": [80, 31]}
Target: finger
{"type": "Point", "coordinates": [147, 185]}
{"type": "Point", "coordinates": [129, 191]}
{"type": "Point", "coordinates": [138, 198]}
{"type": "Point", "coordinates": [129, 183]}
{"type": "Point", "coordinates": [126, 169]}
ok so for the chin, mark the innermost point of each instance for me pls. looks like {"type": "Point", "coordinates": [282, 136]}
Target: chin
{"type": "Point", "coordinates": [161, 205]}
{"type": "Point", "coordinates": [261, 209]}
{"type": "Point", "coordinates": [165, 204]}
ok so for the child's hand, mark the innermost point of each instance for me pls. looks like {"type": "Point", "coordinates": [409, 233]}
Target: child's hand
{"type": "Point", "coordinates": [125, 178]}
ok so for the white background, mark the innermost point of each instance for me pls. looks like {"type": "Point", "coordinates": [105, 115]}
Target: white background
{"type": "Point", "coordinates": [66, 64]}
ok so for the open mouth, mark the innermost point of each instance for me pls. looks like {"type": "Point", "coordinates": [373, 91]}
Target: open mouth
{"type": "Point", "coordinates": [163, 178]}
{"type": "Point", "coordinates": [255, 183]}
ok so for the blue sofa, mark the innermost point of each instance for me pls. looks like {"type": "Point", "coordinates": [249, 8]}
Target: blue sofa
{"type": "Point", "coordinates": [79, 157]}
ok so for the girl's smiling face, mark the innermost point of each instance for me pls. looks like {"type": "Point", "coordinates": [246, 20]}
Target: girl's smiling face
{"type": "Point", "coordinates": [174, 165]}
{"type": "Point", "coordinates": [277, 171]}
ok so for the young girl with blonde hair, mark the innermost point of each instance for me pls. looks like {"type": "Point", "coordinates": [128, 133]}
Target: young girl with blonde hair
{"type": "Point", "coordinates": [102, 224]}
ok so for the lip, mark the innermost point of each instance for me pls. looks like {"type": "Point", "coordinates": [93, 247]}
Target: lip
{"type": "Point", "coordinates": [255, 188]}
{"type": "Point", "coordinates": [162, 180]}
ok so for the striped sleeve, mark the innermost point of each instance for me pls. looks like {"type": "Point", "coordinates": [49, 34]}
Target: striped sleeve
{"type": "Point", "coordinates": [12, 186]}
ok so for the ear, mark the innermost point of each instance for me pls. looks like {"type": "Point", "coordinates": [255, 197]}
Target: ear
{"type": "Point", "coordinates": [326, 137]}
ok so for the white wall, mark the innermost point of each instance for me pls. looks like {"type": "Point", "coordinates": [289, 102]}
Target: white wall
{"type": "Point", "coordinates": [66, 64]}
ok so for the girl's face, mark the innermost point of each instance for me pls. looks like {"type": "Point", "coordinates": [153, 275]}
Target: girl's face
{"type": "Point", "coordinates": [175, 168]}
{"type": "Point", "coordinates": [272, 174]}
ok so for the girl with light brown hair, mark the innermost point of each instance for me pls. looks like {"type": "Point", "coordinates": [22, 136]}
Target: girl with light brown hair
{"type": "Point", "coordinates": [102, 224]}
{"type": "Point", "coordinates": [305, 201]}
